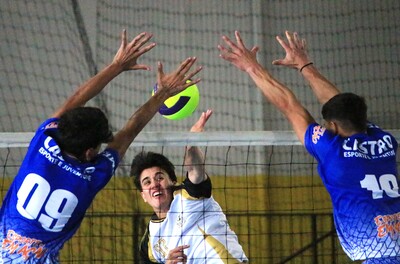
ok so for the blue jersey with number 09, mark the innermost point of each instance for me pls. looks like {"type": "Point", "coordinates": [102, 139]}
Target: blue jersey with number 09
{"type": "Point", "coordinates": [360, 174]}
{"type": "Point", "coordinates": [48, 198]}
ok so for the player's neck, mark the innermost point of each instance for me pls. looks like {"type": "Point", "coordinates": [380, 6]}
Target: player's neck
{"type": "Point", "coordinates": [344, 133]}
{"type": "Point", "coordinates": [161, 215]}
{"type": "Point", "coordinates": [69, 155]}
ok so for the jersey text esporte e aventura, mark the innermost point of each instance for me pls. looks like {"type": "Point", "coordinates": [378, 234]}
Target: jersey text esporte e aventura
{"type": "Point", "coordinates": [48, 198]}
{"type": "Point", "coordinates": [360, 174]}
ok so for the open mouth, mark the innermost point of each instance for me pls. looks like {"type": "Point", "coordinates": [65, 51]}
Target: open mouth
{"type": "Point", "coordinates": [156, 194]}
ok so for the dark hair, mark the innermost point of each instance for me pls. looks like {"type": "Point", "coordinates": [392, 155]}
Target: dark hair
{"type": "Point", "coordinates": [349, 109]}
{"type": "Point", "coordinates": [145, 160]}
{"type": "Point", "coordinates": [82, 128]}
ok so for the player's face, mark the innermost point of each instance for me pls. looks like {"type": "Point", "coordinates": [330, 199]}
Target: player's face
{"type": "Point", "coordinates": [157, 191]}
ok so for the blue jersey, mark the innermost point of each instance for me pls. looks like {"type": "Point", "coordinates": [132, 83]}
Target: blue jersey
{"type": "Point", "coordinates": [360, 174]}
{"type": "Point", "coordinates": [48, 198]}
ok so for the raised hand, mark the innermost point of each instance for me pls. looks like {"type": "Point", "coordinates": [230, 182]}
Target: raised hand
{"type": "Point", "coordinates": [237, 53]}
{"type": "Point", "coordinates": [296, 52]}
{"type": "Point", "coordinates": [199, 125]}
{"type": "Point", "coordinates": [128, 53]}
{"type": "Point", "coordinates": [176, 81]}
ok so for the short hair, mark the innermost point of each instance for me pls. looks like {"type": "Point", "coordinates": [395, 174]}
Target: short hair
{"type": "Point", "coordinates": [145, 160]}
{"type": "Point", "coordinates": [82, 128]}
{"type": "Point", "coordinates": [349, 109]}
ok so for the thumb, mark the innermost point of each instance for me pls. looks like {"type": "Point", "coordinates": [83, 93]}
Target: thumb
{"type": "Point", "coordinates": [141, 67]}
{"type": "Point", "coordinates": [277, 62]}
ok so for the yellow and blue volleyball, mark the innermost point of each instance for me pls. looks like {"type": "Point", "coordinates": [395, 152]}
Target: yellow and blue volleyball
{"type": "Point", "coordinates": [181, 105]}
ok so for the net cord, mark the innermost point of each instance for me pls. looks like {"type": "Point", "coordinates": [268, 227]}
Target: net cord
{"type": "Point", "coordinates": [173, 138]}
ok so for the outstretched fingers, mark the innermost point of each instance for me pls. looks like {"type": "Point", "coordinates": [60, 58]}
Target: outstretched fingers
{"type": "Point", "coordinates": [186, 65]}
{"type": "Point", "coordinates": [200, 123]}
{"type": "Point", "coordinates": [180, 78]}
{"type": "Point", "coordinates": [283, 43]}
{"type": "Point", "coordinates": [294, 47]}
{"type": "Point", "coordinates": [128, 53]}
{"type": "Point", "coordinates": [233, 47]}
{"type": "Point", "coordinates": [123, 39]}
{"type": "Point", "coordinates": [139, 41]}
{"type": "Point", "coordinates": [160, 71]}
{"type": "Point", "coordinates": [190, 76]}
{"type": "Point", "coordinates": [290, 39]}
{"type": "Point", "coordinates": [137, 47]}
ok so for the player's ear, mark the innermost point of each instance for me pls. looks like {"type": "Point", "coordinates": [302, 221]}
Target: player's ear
{"type": "Point", "coordinates": [334, 127]}
{"type": "Point", "coordinates": [90, 154]}
{"type": "Point", "coordinates": [144, 199]}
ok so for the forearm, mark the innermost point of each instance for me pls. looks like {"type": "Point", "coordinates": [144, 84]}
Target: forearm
{"type": "Point", "coordinates": [124, 137]}
{"type": "Point", "coordinates": [89, 89]}
{"type": "Point", "coordinates": [194, 164]}
{"type": "Point", "coordinates": [322, 87]}
{"type": "Point", "coordinates": [274, 91]}
{"type": "Point", "coordinates": [283, 99]}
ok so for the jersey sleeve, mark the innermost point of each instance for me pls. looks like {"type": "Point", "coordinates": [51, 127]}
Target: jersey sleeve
{"type": "Point", "coordinates": [48, 127]}
{"type": "Point", "coordinates": [201, 190]}
{"type": "Point", "coordinates": [317, 140]}
{"type": "Point", "coordinates": [111, 156]}
{"type": "Point", "coordinates": [144, 249]}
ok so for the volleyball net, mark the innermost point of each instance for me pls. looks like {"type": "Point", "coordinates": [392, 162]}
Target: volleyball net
{"type": "Point", "coordinates": [265, 182]}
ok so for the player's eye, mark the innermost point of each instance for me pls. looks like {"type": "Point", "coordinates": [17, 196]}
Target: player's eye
{"type": "Point", "coordinates": [146, 183]}
{"type": "Point", "coordinates": [159, 178]}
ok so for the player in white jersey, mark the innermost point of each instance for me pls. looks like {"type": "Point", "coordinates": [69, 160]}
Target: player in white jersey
{"type": "Point", "coordinates": [63, 169]}
{"type": "Point", "coordinates": [356, 159]}
{"type": "Point", "coordinates": [188, 225]}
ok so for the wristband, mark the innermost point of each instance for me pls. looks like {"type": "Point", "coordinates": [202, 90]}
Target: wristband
{"type": "Point", "coordinates": [307, 64]}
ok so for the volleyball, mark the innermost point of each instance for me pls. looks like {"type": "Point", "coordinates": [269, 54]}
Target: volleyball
{"type": "Point", "coordinates": [181, 105]}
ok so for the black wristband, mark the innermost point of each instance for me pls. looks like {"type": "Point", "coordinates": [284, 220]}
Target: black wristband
{"type": "Point", "coordinates": [307, 64]}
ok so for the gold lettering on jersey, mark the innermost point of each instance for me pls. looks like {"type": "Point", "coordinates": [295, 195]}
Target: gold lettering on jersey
{"type": "Point", "coordinates": [318, 131]}
{"type": "Point", "coordinates": [161, 247]}
{"type": "Point", "coordinates": [179, 220]}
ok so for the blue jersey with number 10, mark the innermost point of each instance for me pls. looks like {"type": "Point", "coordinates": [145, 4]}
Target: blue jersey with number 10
{"type": "Point", "coordinates": [48, 198]}
{"type": "Point", "coordinates": [360, 174]}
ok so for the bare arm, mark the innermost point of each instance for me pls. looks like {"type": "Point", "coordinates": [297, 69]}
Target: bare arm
{"type": "Point", "coordinates": [297, 57]}
{"type": "Point", "coordinates": [274, 91]}
{"type": "Point", "coordinates": [168, 85]}
{"type": "Point", "coordinates": [124, 60]}
{"type": "Point", "coordinates": [194, 158]}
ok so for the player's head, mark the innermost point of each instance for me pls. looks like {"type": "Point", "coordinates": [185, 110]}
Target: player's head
{"type": "Point", "coordinates": [146, 160]}
{"type": "Point", "coordinates": [82, 129]}
{"type": "Point", "coordinates": [348, 110]}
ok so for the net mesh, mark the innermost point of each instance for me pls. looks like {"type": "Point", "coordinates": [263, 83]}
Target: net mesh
{"type": "Point", "coordinates": [264, 181]}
